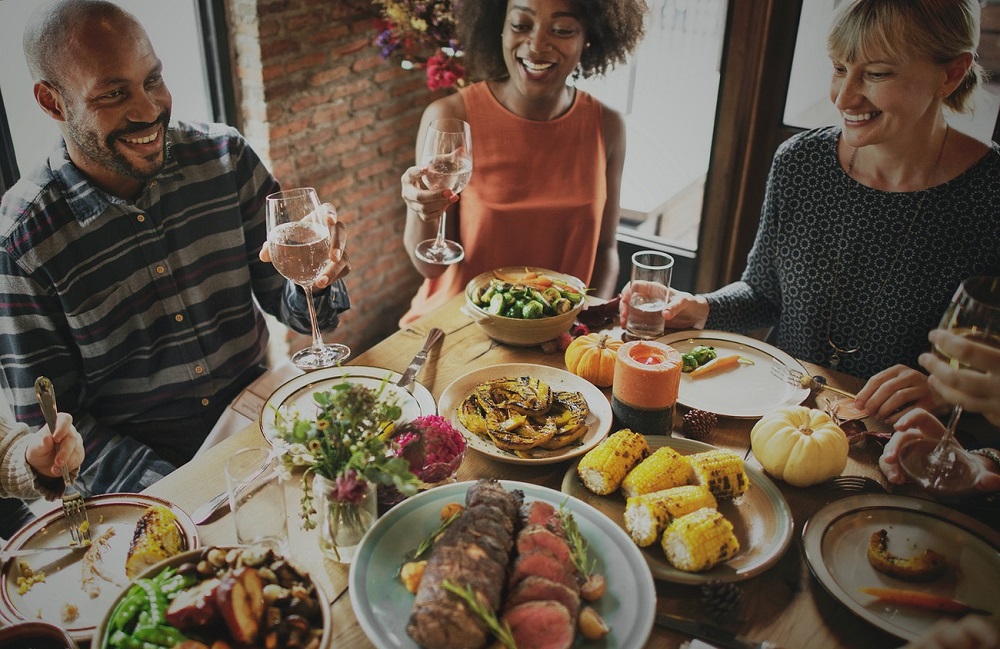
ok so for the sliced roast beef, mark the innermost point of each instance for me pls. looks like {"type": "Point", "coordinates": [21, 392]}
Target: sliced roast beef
{"type": "Point", "coordinates": [542, 513]}
{"type": "Point", "coordinates": [537, 536]}
{"type": "Point", "coordinates": [541, 625]}
{"type": "Point", "coordinates": [537, 589]}
{"type": "Point", "coordinates": [542, 563]}
{"type": "Point", "coordinates": [475, 551]}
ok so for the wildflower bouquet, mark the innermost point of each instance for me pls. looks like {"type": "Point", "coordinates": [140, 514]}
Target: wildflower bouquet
{"type": "Point", "coordinates": [345, 441]}
{"type": "Point", "coordinates": [422, 34]}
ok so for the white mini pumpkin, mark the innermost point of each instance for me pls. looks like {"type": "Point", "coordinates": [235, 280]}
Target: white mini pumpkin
{"type": "Point", "coordinates": [799, 445]}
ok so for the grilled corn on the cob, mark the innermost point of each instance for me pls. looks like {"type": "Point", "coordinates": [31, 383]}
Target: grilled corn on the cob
{"type": "Point", "coordinates": [699, 540]}
{"type": "Point", "coordinates": [156, 537]}
{"type": "Point", "coordinates": [721, 471]}
{"type": "Point", "coordinates": [664, 469]}
{"type": "Point", "coordinates": [646, 516]}
{"type": "Point", "coordinates": [604, 467]}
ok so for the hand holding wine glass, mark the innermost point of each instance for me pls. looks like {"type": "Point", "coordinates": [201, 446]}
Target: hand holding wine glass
{"type": "Point", "coordinates": [447, 158]}
{"type": "Point", "coordinates": [943, 466]}
{"type": "Point", "coordinates": [299, 237]}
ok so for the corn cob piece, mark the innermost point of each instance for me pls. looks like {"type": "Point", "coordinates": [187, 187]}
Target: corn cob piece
{"type": "Point", "coordinates": [699, 540]}
{"type": "Point", "coordinates": [721, 471]}
{"type": "Point", "coordinates": [664, 469]}
{"type": "Point", "coordinates": [604, 467]}
{"type": "Point", "coordinates": [646, 516]}
{"type": "Point", "coordinates": [156, 537]}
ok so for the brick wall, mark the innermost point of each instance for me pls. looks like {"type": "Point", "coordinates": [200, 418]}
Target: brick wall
{"type": "Point", "coordinates": [322, 107]}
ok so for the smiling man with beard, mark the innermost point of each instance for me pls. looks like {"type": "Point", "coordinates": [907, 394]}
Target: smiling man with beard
{"type": "Point", "coordinates": [130, 268]}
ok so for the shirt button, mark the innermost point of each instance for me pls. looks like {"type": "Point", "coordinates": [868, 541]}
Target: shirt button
{"type": "Point", "coordinates": [179, 318]}
{"type": "Point", "coordinates": [204, 402]}
{"type": "Point", "coordinates": [160, 270]}
{"type": "Point", "coordinates": [198, 369]}
{"type": "Point", "coordinates": [141, 218]}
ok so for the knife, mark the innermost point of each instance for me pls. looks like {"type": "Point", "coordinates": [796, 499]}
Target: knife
{"type": "Point", "coordinates": [410, 373]}
{"type": "Point", "coordinates": [204, 512]}
{"type": "Point", "coordinates": [709, 633]}
{"type": "Point", "coordinates": [7, 555]}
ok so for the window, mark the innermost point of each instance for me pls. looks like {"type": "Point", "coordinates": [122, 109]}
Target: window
{"type": "Point", "coordinates": [184, 34]}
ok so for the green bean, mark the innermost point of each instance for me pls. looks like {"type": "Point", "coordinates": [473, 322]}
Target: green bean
{"type": "Point", "coordinates": [164, 635]}
{"type": "Point", "coordinates": [128, 607]}
{"type": "Point", "coordinates": [156, 601]}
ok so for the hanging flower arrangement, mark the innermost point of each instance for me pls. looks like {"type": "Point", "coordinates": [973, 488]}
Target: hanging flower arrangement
{"type": "Point", "coordinates": [421, 35]}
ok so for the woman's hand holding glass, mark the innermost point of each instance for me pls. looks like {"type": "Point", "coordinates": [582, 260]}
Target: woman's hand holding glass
{"type": "Point", "coordinates": [975, 383]}
{"type": "Point", "coordinates": [918, 424]}
{"type": "Point", "coordinates": [683, 310]}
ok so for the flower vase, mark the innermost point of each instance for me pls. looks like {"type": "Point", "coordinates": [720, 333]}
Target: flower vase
{"type": "Point", "coordinates": [342, 523]}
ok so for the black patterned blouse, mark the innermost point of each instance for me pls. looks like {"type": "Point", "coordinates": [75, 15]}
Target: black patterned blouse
{"type": "Point", "coordinates": [869, 269]}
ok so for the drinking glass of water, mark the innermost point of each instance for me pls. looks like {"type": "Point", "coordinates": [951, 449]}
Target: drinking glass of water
{"type": "Point", "coordinates": [650, 286]}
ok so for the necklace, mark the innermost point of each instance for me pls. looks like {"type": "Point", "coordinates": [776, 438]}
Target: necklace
{"type": "Point", "coordinates": [839, 351]}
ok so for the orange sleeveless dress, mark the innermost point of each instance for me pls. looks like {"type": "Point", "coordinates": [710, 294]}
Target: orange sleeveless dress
{"type": "Point", "coordinates": [536, 196]}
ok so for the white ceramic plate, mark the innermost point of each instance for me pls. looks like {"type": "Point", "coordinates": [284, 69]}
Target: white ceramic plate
{"type": "Point", "coordinates": [746, 391]}
{"type": "Point", "coordinates": [383, 605]}
{"type": "Point", "coordinates": [761, 521]}
{"type": "Point", "coordinates": [599, 419]}
{"type": "Point", "coordinates": [835, 541]}
{"type": "Point", "coordinates": [64, 572]}
{"type": "Point", "coordinates": [298, 393]}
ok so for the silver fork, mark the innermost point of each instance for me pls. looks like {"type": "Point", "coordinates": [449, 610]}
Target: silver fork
{"type": "Point", "coordinates": [855, 483]}
{"type": "Point", "coordinates": [73, 506]}
{"type": "Point", "coordinates": [797, 379]}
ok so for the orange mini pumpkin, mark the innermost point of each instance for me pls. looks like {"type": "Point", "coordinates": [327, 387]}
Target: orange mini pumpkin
{"type": "Point", "coordinates": [592, 357]}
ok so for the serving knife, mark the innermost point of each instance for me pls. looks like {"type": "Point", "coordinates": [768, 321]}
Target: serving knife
{"type": "Point", "coordinates": [713, 634]}
{"type": "Point", "coordinates": [410, 372]}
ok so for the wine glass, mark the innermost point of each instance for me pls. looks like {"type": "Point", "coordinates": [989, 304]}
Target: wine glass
{"type": "Point", "coordinates": [447, 156]}
{"type": "Point", "coordinates": [299, 240]}
{"type": "Point", "coordinates": [944, 466]}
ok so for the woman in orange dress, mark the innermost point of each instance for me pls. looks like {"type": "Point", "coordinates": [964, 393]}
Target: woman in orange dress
{"type": "Point", "coordinates": [547, 157]}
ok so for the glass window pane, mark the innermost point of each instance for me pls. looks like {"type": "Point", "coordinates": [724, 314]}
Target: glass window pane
{"type": "Point", "coordinates": [668, 94]}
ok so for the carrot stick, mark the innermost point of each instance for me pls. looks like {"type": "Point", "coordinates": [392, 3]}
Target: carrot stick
{"type": "Point", "coordinates": [919, 599]}
{"type": "Point", "coordinates": [715, 366]}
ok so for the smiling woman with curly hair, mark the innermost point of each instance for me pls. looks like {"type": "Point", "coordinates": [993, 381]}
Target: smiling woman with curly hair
{"type": "Point", "coordinates": [548, 157]}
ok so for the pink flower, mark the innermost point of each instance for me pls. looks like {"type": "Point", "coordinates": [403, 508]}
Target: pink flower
{"type": "Point", "coordinates": [443, 71]}
{"type": "Point", "coordinates": [350, 487]}
{"type": "Point", "coordinates": [432, 446]}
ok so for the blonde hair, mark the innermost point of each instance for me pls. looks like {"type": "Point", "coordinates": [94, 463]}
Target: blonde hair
{"type": "Point", "coordinates": [938, 30]}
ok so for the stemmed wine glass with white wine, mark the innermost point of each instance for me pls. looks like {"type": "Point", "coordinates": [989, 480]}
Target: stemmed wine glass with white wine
{"type": "Point", "coordinates": [299, 239]}
{"type": "Point", "coordinates": [944, 466]}
{"type": "Point", "coordinates": [447, 156]}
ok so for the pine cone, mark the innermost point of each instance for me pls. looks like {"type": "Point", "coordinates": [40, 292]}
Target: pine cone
{"type": "Point", "coordinates": [722, 600]}
{"type": "Point", "coordinates": [697, 424]}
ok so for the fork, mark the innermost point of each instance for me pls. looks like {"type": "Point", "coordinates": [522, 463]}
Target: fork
{"type": "Point", "coordinates": [73, 506]}
{"type": "Point", "coordinates": [855, 483]}
{"type": "Point", "coordinates": [797, 379]}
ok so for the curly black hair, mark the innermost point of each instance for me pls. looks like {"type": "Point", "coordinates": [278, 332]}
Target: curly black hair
{"type": "Point", "coordinates": [613, 28]}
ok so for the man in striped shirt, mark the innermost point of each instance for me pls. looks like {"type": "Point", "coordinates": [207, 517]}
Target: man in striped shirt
{"type": "Point", "coordinates": [129, 262]}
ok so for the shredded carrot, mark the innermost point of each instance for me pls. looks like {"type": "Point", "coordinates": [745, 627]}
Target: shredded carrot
{"type": "Point", "coordinates": [919, 599]}
{"type": "Point", "coordinates": [715, 366]}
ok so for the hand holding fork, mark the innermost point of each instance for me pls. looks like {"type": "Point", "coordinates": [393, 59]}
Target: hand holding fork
{"type": "Point", "coordinates": [73, 505]}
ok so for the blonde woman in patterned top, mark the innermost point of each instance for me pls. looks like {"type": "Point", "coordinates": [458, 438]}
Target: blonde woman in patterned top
{"type": "Point", "coordinates": [868, 227]}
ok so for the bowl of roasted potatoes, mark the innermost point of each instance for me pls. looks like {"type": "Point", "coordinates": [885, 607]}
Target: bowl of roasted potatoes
{"type": "Point", "coordinates": [219, 598]}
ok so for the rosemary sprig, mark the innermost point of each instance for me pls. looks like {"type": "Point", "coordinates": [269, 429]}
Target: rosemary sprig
{"type": "Point", "coordinates": [425, 546]}
{"type": "Point", "coordinates": [578, 546]}
{"type": "Point", "coordinates": [500, 631]}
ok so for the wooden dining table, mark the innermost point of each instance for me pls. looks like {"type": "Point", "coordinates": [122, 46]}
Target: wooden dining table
{"type": "Point", "coordinates": [784, 605]}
